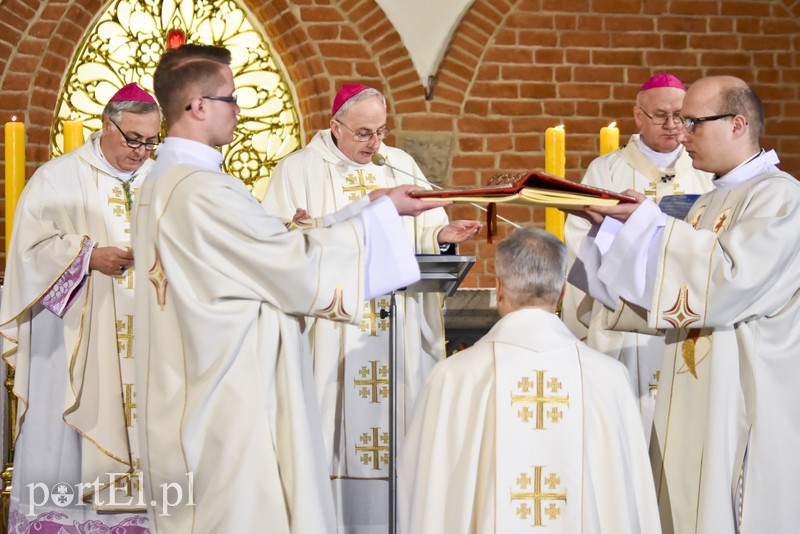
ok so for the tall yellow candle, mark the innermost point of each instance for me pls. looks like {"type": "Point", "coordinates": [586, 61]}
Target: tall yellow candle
{"type": "Point", "coordinates": [15, 171]}
{"type": "Point", "coordinates": [609, 138]}
{"type": "Point", "coordinates": [555, 164]}
{"type": "Point", "coordinates": [73, 135]}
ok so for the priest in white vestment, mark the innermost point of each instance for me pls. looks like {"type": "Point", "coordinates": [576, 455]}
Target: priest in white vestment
{"type": "Point", "coordinates": [231, 431]}
{"type": "Point", "coordinates": [653, 162]}
{"type": "Point", "coordinates": [351, 361]}
{"type": "Point", "coordinates": [67, 327]}
{"type": "Point", "coordinates": [724, 286]}
{"type": "Point", "coordinates": [528, 430]}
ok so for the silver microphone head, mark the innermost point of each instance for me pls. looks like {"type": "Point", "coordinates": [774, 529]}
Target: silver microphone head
{"type": "Point", "coordinates": [378, 159]}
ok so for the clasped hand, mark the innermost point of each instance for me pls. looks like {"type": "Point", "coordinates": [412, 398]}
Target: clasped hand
{"type": "Point", "coordinates": [111, 261]}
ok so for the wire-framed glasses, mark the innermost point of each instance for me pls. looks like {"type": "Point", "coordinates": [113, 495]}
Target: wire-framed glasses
{"type": "Point", "coordinates": [363, 136]}
{"type": "Point", "coordinates": [660, 118]}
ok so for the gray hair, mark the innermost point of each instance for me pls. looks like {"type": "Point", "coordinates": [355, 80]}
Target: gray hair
{"type": "Point", "coordinates": [532, 264]}
{"type": "Point", "coordinates": [358, 97]}
{"type": "Point", "coordinates": [114, 110]}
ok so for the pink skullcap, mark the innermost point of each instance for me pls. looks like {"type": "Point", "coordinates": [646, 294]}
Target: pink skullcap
{"type": "Point", "coordinates": [132, 92]}
{"type": "Point", "coordinates": [347, 92]}
{"type": "Point", "coordinates": [662, 80]}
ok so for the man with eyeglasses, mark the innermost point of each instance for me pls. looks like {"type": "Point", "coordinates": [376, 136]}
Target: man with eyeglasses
{"type": "Point", "coordinates": [653, 162]}
{"type": "Point", "coordinates": [337, 168]}
{"type": "Point", "coordinates": [67, 325]}
{"type": "Point", "coordinates": [723, 286]}
{"type": "Point", "coordinates": [230, 421]}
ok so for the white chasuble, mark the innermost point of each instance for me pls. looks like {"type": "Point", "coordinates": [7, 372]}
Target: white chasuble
{"type": "Point", "coordinates": [539, 430]}
{"type": "Point", "coordinates": [351, 362]}
{"type": "Point", "coordinates": [528, 430]}
{"type": "Point", "coordinates": [726, 291]}
{"type": "Point", "coordinates": [735, 341]}
{"type": "Point", "coordinates": [641, 353]}
{"type": "Point", "coordinates": [74, 443]}
{"type": "Point", "coordinates": [229, 413]}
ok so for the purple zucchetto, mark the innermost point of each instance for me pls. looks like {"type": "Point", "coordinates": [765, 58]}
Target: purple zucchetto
{"type": "Point", "coordinates": [662, 80]}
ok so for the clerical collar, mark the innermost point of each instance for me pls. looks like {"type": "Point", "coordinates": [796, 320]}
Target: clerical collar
{"type": "Point", "coordinates": [122, 176]}
{"type": "Point", "coordinates": [750, 168]}
{"type": "Point", "coordinates": [662, 160]}
{"type": "Point", "coordinates": [178, 150]}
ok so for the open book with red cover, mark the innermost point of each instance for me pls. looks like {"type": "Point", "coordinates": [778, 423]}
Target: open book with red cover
{"type": "Point", "coordinates": [532, 188]}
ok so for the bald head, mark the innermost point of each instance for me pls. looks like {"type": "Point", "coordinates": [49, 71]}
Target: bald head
{"type": "Point", "coordinates": [721, 144]}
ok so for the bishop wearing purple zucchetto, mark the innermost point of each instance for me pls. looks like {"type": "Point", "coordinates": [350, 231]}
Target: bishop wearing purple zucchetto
{"type": "Point", "coordinates": [67, 325]}
{"type": "Point", "coordinates": [656, 164]}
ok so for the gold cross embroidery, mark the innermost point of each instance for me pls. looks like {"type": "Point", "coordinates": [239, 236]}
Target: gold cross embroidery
{"type": "Point", "coordinates": [651, 189]}
{"type": "Point", "coordinates": [537, 496]}
{"type": "Point", "coordinates": [539, 398]}
{"type": "Point", "coordinates": [371, 384]}
{"type": "Point", "coordinates": [681, 315]}
{"type": "Point", "coordinates": [129, 405]}
{"type": "Point", "coordinates": [653, 386]}
{"type": "Point", "coordinates": [373, 452]}
{"type": "Point", "coordinates": [371, 318]}
{"type": "Point", "coordinates": [125, 339]}
{"type": "Point", "coordinates": [126, 278]}
{"type": "Point", "coordinates": [159, 280]}
{"type": "Point", "coordinates": [359, 185]}
{"type": "Point", "coordinates": [122, 201]}
{"type": "Point", "coordinates": [131, 480]}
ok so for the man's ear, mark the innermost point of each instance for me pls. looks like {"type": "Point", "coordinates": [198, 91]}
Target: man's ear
{"type": "Point", "coordinates": [740, 125]}
{"type": "Point", "coordinates": [499, 295]}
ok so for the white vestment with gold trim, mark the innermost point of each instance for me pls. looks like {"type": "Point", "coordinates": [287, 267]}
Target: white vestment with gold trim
{"type": "Point", "coordinates": [527, 430]}
{"type": "Point", "coordinates": [351, 362]}
{"type": "Point", "coordinates": [641, 353]}
{"type": "Point", "coordinates": [74, 374]}
{"type": "Point", "coordinates": [230, 420]}
{"type": "Point", "coordinates": [727, 290]}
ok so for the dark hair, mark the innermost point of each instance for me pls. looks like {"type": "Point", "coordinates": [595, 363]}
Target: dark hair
{"type": "Point", "coordinates": [744, 101]}
{"type": "Point", "coordinates": [188, 69]}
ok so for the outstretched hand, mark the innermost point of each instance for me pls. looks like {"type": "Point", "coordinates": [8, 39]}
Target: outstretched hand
{"type": "Point", "coordinates": [459, 231]}
{"type": "Point", "coordinates": [111, 261]}
{"type": "Point", "coordinates": [404, 204]}
{"type": "Point", "coordinates": [621, 211]}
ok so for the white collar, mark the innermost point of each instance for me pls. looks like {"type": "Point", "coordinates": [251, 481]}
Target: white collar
{"type": "Point", "coordinates": [113, 171]}
{"type": "Point", "coordinates": [662, 160]}
{"type": "Point", "coordinates": [178, 150]}
{"type": "Point", "coordinates": [750, 168]}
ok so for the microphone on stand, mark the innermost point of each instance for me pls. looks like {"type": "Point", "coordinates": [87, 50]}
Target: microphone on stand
{"type": "Point", "coordinates": [380, 161]}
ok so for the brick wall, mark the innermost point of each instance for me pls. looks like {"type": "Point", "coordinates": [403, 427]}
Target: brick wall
{"type": "Point", "coordinates": [514, 68]}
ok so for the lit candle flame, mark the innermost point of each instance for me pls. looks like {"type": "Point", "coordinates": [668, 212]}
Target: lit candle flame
{"type": "Point", "coordinates": [612, 124]}
{"type": "Point", "coordinates": [560, 127]}
{"type": "Point", "coordinates": [13, 118]}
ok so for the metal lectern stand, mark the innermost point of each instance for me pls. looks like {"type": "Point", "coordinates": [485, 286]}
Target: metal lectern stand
{"type": "Point", "coordinates": [440, 274]}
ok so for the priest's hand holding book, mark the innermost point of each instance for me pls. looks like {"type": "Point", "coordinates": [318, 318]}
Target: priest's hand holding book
{"type": "Point", "coordinates": [621, 211]}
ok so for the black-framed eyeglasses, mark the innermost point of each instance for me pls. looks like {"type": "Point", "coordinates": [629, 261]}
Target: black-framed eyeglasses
{"type": "Point", "coordinates": [229, 99]}
{"type": "Point", "coordinates": [363, 136]}
{"type": "Point", "coordinates": [134, 143]}
{"type": "Point", "coordinates": [660, 118]}
{"type": "Point", "coordinates": [691, 124]}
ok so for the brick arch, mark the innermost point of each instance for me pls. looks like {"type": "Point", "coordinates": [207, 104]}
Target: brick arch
{"type": "Point", "coordinates": [42, 43]}
{"type": "Point", "coordinates": [332, 43]}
